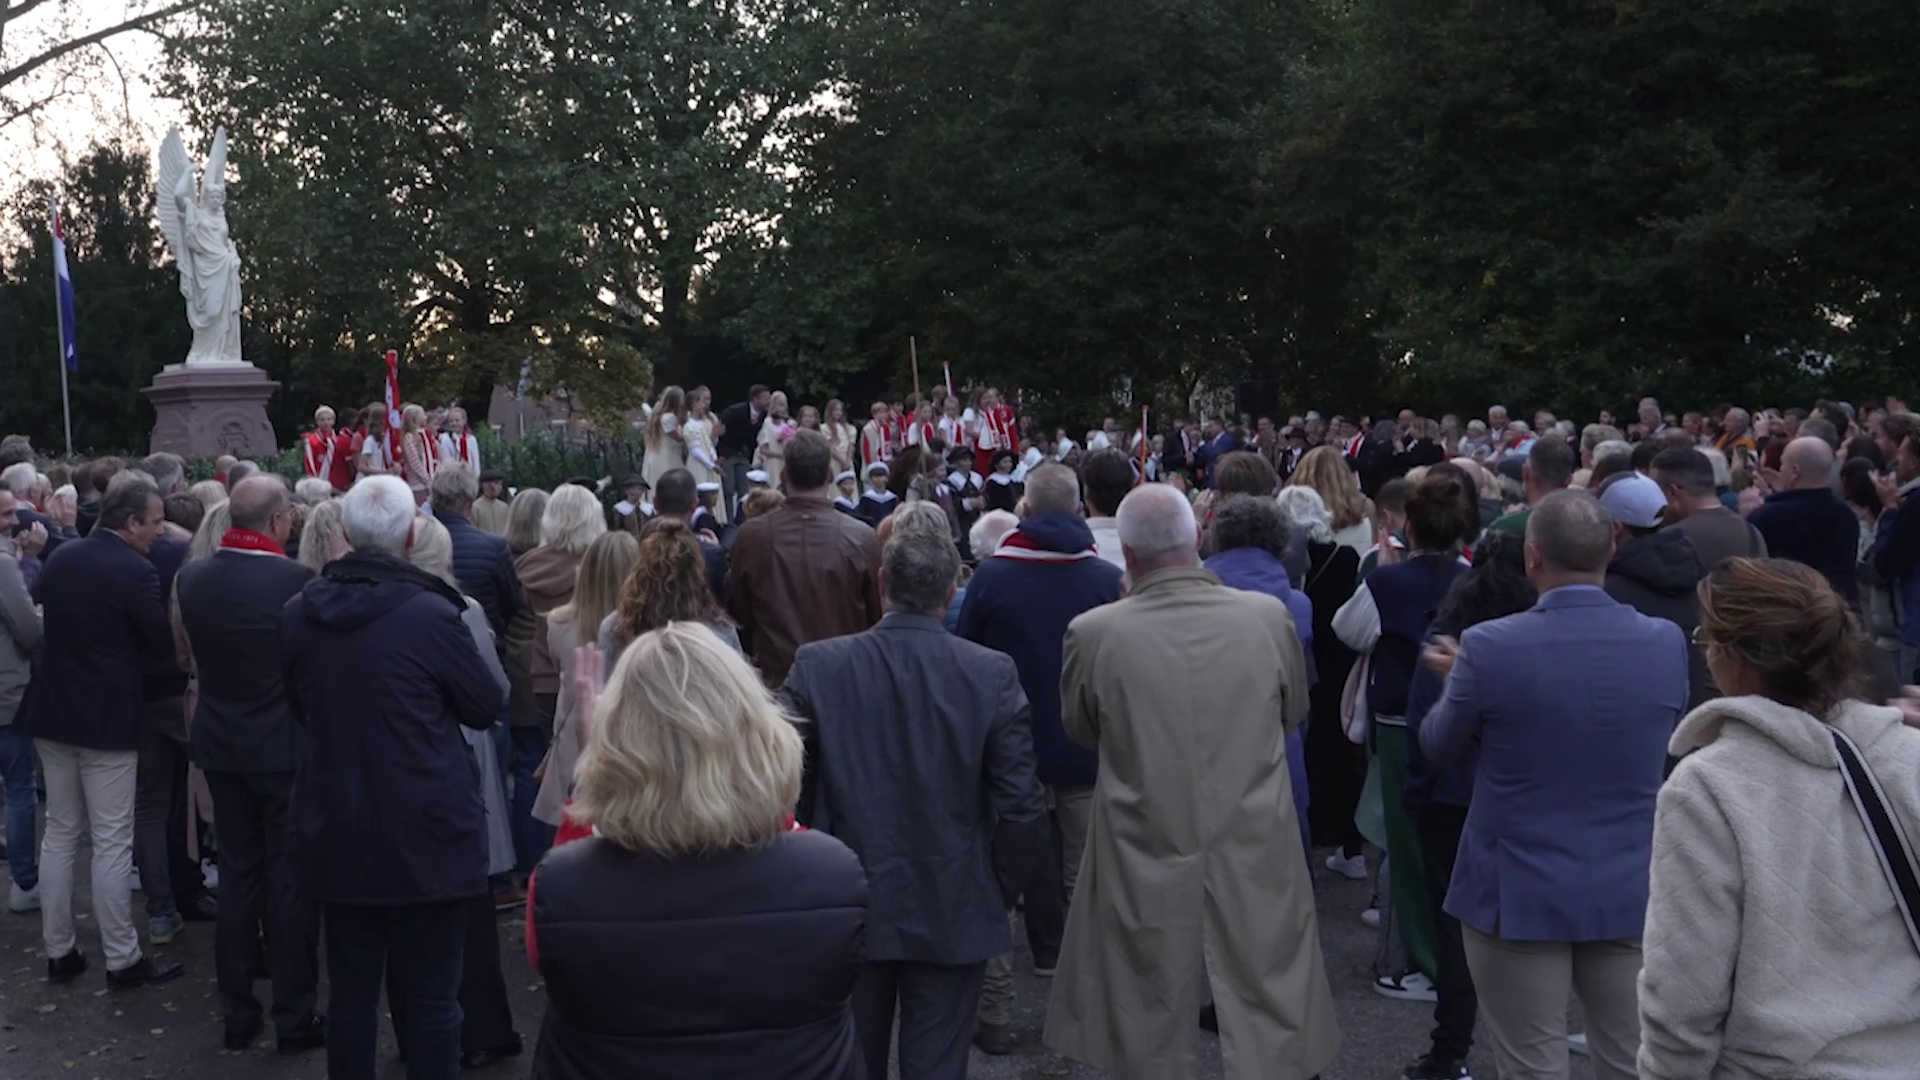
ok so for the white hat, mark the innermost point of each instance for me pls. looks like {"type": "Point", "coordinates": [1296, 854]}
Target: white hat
{"type": "Point", "coordinates": [707, 487]}
{"type": "Point", "coordinates": [844, 477]}
{"type": "Point", "coordinates": [877, 467]}
{"type": "Point", "coordinates": [1635, 501]}
{"type": "Point", "coordinates": [756, 476]}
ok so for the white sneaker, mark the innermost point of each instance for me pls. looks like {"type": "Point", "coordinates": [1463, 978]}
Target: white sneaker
{"type": "Point", "coordinates": [1348, 866]}
{"type": "Point", "coordinates": [20, 901]}
{"type": "Point", "coordinates": [1413, 986]}
{"type": "Point", "coordinates": [1577, 1044]}
{"type": "Point", "coordinates": [1371, 917]}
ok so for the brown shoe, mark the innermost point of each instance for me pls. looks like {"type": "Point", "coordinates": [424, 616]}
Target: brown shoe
{"type": "Point", "coordinates": [513, 896]}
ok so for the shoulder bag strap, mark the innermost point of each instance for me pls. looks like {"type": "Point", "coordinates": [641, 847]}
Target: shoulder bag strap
{"type": "Point", "coordinates": [1889, 839]}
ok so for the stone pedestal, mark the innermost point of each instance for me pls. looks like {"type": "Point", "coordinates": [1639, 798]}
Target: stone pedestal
{"type": "Point", "coordinates": [211, 409]}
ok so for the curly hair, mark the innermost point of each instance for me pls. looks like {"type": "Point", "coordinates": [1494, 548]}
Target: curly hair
{"type": "Point", "coordinates": [1249, 521]}
{"type": "Point", "coordinates": [668, 583]}
{"type": "Point", "coordinates": [1325, 471]}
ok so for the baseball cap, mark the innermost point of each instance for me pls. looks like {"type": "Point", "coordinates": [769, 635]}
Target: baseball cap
{"type": "Point", "coordinates": [1635, 501]}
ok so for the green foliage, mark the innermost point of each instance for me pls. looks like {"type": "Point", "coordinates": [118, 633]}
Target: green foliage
{"type": "Point", "coordinates": [545, 460]}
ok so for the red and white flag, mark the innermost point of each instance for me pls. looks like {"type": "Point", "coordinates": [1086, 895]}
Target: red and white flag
{"type": "Point", "coordinates": [393, 405]}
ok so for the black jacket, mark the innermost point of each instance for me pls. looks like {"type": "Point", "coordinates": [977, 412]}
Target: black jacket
{"type": "Point", "coordinates": [739, 431]}
{"type": "Point", "coordinates": [166, 680]}
{"type": "Point", "coordinates": [737, 966]}
{"type": "Point", "coordinates": [925, 768]}
{"type": "Point", "coordinates": [1817, 528]}
{"type": "Point", "coordinates": [382, 671]}
{"type": "Point", "coordinates": [232, 605]}
{"type": "Point", "coordinates": [483, 565]}
{"type": "Point", "coordinates": [105, 626]}
{"type": "Point", "coordinates": [1656, 575]}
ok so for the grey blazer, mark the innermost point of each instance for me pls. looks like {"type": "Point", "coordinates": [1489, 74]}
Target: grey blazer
{"type": "Point", "coordinates": [922, 763]}
{"type": "Point", "coordinates": [19, 635]}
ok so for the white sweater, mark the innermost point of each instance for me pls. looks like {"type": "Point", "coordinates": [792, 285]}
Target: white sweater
{"type": "Point", "coordinates": [1774, 949]}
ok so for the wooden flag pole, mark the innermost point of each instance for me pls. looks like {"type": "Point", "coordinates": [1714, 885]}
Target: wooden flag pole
{"type": "Point", "coordinates": [1145, 447]}
{"type": "Point", "coordinates": [914, 348]}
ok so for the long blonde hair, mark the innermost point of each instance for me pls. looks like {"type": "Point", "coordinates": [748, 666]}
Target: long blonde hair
{"type": "Point", "coordinates": [214, 526]}
{"type": "Point", "coordinates": [524, 515]}
{"type": "Point", "coordinates": [1327, 473]}
{"type": "Point", "coordinates": [318, 537]}
{"type": "Point", "coordinates": [688, 753]}
{"type": "Point", "coordinates": [432, 549]}
{"type": "Point", "coordinates": [596, 588]}
{"type": "Point", "coordinates": [673, 400]}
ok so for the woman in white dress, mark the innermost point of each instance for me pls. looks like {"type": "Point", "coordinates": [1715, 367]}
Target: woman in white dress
{"type": "Point", "coordinates": [769, 452]}
{"type": "Point", "coordinates": [697, 431]}
{"type": "Point", "coordinates": [842, 438]}
{"type": "Point", "coordinates": [662, 438]}
{"type": "Point", "coordinates": [373, 459]}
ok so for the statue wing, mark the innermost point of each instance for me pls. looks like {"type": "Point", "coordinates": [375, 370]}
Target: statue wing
{"type": "Point", "coordinates": [174, 166]}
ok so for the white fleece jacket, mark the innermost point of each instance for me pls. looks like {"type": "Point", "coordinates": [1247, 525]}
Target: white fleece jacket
{"type": "Point", "coordinates": [1774, 949]}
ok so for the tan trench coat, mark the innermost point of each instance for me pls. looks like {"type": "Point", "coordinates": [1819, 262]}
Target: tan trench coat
{"type": "Point", "coordinates": [1193, 865]}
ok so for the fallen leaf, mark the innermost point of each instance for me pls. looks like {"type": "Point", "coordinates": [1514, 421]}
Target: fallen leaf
{"type": "Point", "coordinates": [46, 1008]}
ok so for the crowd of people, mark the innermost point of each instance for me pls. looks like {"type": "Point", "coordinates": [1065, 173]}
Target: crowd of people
{"type": "Point", "coordinates": [778, 751]}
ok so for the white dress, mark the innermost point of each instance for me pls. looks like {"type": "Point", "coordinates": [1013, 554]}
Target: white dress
{"type": "Point", "coordinates": [773, 463]}
{"type": "Point", "coordinates": [701, 462]}
{"type": "Point", "coordinates": [662, 453]}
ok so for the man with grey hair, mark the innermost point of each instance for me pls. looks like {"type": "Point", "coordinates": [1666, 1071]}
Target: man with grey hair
{"type": "Point", "coordinates": [1187, 690]}
{"type": "Point", "coordinates": [1551, 882]}
{"type": "Point", "coordinates": [387, 828]}
{"type": "Point", "coordinates": [1039, 578]}
{"type": "Point", "coordinates": [924, 766]}
{"type": "Point", "coordinates": [482, 562]}
{"type": "Point", "coordinates": [239, 471]}
{"type": "Point", "coordinates": [169, 472]}
{"type": "Point", "coordinates": [105, 627]}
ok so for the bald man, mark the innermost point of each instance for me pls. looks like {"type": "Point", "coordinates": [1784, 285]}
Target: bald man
{"type": "Point", "coordinates": [1187, 690]}
{"type": "Point", "coordinates": [1805, 521]}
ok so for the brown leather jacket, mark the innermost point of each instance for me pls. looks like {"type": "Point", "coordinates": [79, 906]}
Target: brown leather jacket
{"type": "Point", "coordinates": [800, 573]}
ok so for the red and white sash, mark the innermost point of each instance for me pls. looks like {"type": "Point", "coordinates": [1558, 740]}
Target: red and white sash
{"type": "Point", "coordinates": [1016, 545]}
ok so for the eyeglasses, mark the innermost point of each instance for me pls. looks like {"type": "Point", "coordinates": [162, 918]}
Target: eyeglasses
{"type": "Point", "coordinates": [1700, 637]}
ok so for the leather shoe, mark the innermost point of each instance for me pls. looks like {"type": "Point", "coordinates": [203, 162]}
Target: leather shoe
{"type": "Point", "coordinates": [311, 1034]}
{"type": "Point", "coordinates": [994, 1039]}
{"type": "Point", "coordinates": [145, 971]}
{"type": "Point", "coordinates": [66, 968]}
{"type": "Point", "coordinates": [239, 1040]}
{"type": "Point", "coordinates": [202, 908]}
{"type": "Point", "coordinates": [492, 1055]}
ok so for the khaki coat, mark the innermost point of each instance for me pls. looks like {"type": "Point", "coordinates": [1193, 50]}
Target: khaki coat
{"type": "Point", "coordinates": [1193, 867]}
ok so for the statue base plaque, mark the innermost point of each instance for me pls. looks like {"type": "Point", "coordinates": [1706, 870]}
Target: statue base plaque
{"type": "Point", "coordinates": [202, 410]}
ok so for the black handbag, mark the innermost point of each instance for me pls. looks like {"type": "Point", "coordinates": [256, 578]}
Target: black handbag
{"type": "Point", "coordinates": [1889, 836]}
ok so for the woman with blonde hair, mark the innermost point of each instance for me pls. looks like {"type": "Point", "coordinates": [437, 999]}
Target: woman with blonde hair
{"type": "Point", "coordinates": [211, 493]}
{"type": "Point", "coordinates": [1328, 474]}
{"type": "Point", "coordinates": [419, 457]}
{"type": "Point", "coordinates": [323, 539]}
{"type": "Point", "coordinates": [668, 584]}
{"type": "Point", "coordinates": [769, 451]}
{"type": "Point", "coordinates": [841, 436]}
{"type": "Point", "coordinates": [486, 1023]}
{"type": "Point", "coordinates": [603, 573]}
{"type": "Point", "coordinates": [1776, 942]}
{"type": "Point", "coordinates": [698, 428]}
{"type": "Point", "coordinates": [572, 522]}
{"type": "Point", "coordinates": [524, 515]}
{"type": "Point", "coordinates": [694, 932]}
{"type": "Point", "coordinates": [661, 436]}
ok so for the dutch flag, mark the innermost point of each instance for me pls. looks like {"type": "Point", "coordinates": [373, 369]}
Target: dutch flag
{"type": "Point", "coordinates": [63, 290]}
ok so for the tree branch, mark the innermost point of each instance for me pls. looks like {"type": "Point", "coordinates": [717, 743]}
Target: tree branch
{"type": "Point", "coordinates": [138, 22]}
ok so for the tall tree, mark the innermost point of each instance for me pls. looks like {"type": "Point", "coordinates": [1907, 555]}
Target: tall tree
{"type": "Point", "coordinates": [50, 52]}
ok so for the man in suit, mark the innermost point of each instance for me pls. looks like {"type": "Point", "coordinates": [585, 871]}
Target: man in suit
{"type": "Point", "coordinates": [481, 561]}
{"type": "Point", "coordinates": [1176, 455]}
{"type": "Point", "coordinates": [248, 743]}
{"type": "Point", "coordinates": [105, 623]}
{"type": "Point", "coordinates": [1550, 886]}
{"type": "Point", "coordinates": [924, 766]}
{"type": "Point", "coordinates": [740, 434]}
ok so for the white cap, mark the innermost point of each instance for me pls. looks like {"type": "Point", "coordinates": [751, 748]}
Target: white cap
{"type": "Point", "coordinates": [707, 488]}
{"type": "Point", "coordinates": [844, 477]}
{"type": "Point", "coordinates": [756, 476]}
{"type": "Point", "coordinates": [877, 467]}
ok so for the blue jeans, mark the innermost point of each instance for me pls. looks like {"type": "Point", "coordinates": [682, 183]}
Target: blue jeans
{"type": "Point", "coordinates": [421, 949]}
{"type": "Point", "coordinates": [531, 838]}
{"type": "Point", "coordinates": [16, 775]}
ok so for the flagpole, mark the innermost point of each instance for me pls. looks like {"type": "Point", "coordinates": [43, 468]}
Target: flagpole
{"type": "Point", "coordinates": [913, 347]}
{"type": "Point", "coordinates": [60, 328]}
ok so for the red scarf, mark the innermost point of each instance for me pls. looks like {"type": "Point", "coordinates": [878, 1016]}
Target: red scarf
{"type": "Point", "coordinates": [249, 540]}
{"type": "Point", "coordinates": [460, 440]}
{"type": "Point", "coordinates": [1017, 545]}
{"type": "Point", "coordinates": [320, 454]}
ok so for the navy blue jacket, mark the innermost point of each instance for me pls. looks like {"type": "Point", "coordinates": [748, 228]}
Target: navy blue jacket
{"type": "Point", "coordinates": [382, 672]}
{"type": "Point", "coordinates": [1813, 526]}
{"type": "Point", "coordinates": [1406, 594]}
{"type": "Point", "coordinates": [1019, 602]}
{"type": "Point", "coordinates": [166, 680]}
{"type": "Point", "coordinates": [1896, 558]}
{"type": "Point", "coordinates": [737, 965]}
{"type": "Point", "coordinates": [1424, 783]}
{"type": "Point", "coordinates": [105, 624]}
{"type": "Point", "coordinates": [483, 565]}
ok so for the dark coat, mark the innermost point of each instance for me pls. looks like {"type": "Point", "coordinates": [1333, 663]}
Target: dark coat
{"type": "Point", "coordinates": [737, 966]}
{"type": "Point", "coordinates": [1020, 605]}
{"type": "Point", "coordinates": [1657, 575]}
{"type": "Point", "coordinates": [382, 671]}
{"type": "Point", "coordinates": [924, 767]}
{"type": "Point", "coordinates": [232, 605]}
{"type": "Point", "coordinates": [166, 680]}
{"type": "Point", "coordinates": [105, 625]}
{"type": "Point", "coordinates": [483, 565]}
{"type": "Point", "coordinates": [1815, 527]}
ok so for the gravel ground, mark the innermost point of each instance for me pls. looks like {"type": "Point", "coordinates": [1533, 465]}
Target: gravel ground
{"type": "Point", "coordinates": [82, 1032]}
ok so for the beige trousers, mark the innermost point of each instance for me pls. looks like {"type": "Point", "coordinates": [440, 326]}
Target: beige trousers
{"type": "Point", "coordinates": [1523, 987]}
{"type": "Point", "coordinates": [88, 791]}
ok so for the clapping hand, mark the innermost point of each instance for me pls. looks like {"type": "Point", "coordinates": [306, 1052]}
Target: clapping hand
{"type": "Point", "coordinates": [1440, 654]}
{"type": "Point", "coordinates": [1889, 490]}
{"type": "Point", "coordinates": [31, 540]}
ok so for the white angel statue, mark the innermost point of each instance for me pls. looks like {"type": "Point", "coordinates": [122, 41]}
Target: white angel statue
{"type": "Point", "coordinates": [195, 225]}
